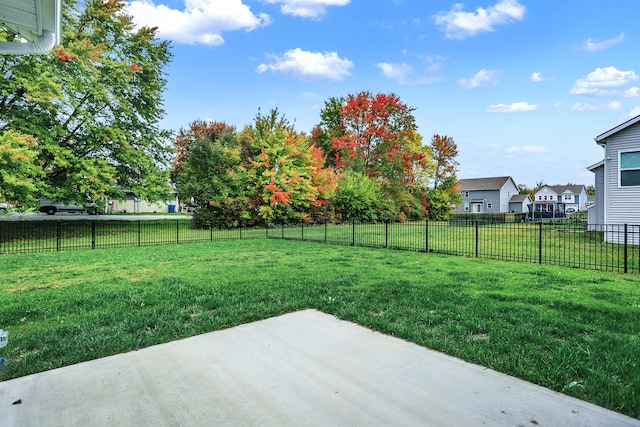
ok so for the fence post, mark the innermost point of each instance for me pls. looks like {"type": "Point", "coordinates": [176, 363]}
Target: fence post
{"type": "Point", "coordinates": [426, 236]}
{"type": "Point", "coordinates": [57, 235]}
{"type": "Point", "coordinates": [353, 233]}
{"type": "Point", "coordinates": [302, 231]}
{"type": "Point", "coordinates": [282, 231]}
{"type": "Point", "coordinates": [477, 228]}
{"type": "Point", "coordinates": [177, 231]}
{"type": "Point", "coordinates": [139, 233]}
{"type": "Point", "coordinates": [93, 234]}
{"type": "Point", "coordinates": [386, 234]}
{"type": "Point", "coordinates": [540, 242]}
{"type": "Point", "coordinates": [626, 249]}
{"type": "Point", "coordinates": [210, 232]}
{"type": "Point", "coordinates": [325, 231]}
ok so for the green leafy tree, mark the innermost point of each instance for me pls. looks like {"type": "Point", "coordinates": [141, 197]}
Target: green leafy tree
{"type": "Point", "coordinates": [361, 198]}
{"type": "Point", "coordinates": [208, 170]}
{"type": "Point", "coordinates": [92, 105]}
{"type": "Point", "coordinates": [443, 192]}
{"type": "Point", "coordinates": [19, 170]}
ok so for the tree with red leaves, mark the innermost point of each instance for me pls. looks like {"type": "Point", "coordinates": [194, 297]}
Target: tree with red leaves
{"type": "Point", "coordinates": [287, 173]}
{"type": "Point", "coordinates": [375, 135]}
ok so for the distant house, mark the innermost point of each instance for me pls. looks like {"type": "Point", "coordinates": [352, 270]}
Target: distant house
{"type": "Point", "coordinates": [519, 203]}
{"type": "Point", "coordinates": [573, 197]}
{"type": "Point", "coordinates": [486, 194]}
{"type": "Point", "coordinates": [617, 179]}
{"type": "Point", "coordinates": [132, 204]}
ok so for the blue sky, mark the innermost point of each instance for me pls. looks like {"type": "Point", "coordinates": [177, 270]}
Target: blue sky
{"type": "Point", "coordinates": [522, 86]}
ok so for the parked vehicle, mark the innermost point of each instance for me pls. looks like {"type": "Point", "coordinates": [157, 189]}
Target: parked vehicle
{"type": "Point", "coordinates": [50, 207]}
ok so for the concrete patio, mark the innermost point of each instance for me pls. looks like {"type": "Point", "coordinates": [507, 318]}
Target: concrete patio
{"type": "Point", "coordinates": [304, 368]}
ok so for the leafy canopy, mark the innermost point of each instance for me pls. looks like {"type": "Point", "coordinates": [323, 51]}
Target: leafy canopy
{"type": "Point", "coordinates": [91, 107]}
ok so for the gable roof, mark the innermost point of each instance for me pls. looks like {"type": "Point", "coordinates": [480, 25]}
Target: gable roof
{"type": "Point", "coordinates": [600, 139]}
{"type": "Point", "coordinates": [518, 198]}
{"type": "Point", "coordinates": [559, 189]}
{"type": "Point", "coordinates": [495, 183]}
{"type": "Point", "coordinates": [593, 168]}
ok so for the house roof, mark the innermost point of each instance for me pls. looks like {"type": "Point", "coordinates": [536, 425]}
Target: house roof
{"type": "Point", "coordinates": [600, 139]}
{"type": "Point", "coordinates": [495, 183]}
{"type": "Point", "coordinates": [593, 167]}
{"type": "Point", "coordinates": [519, 198]}
{"type": "Point", "coordinates": [560, 189]}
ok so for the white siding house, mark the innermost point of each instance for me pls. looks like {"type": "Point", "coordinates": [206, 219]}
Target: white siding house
{"type": "Point", "coordinates": [618, 179]}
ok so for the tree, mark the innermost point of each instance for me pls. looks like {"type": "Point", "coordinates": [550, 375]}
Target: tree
{"type": "Point", "coordinates": [92, 106]}
{"type": "Point", "coordinates": [286, 170]}
{"type": "Point", "coordinates": [443, 192]}
{"type": "Point", "coordinates": [19, 171]}
{"type": "Point", "coordinates": [360, 198]}
{"type": "Point", "coordinates": [207, 170]}
{"type": "Point", "coordinates": [374, 135]}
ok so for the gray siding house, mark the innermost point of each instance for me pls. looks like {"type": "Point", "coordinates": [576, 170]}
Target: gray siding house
{"type": "Point", "coordinates": [486, 194]}
{"type": "Point", "coordinates": [519, 203]}
{"type": "Point", "coordinates": [617, 179]}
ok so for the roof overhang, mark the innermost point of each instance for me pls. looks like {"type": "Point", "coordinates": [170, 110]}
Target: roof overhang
{"type": "Point", "coordinates": [593, 167]}
{"type": "Point", "coordinates": [602, 138]}
{"type": "Point", "coordinates": [36, 22]}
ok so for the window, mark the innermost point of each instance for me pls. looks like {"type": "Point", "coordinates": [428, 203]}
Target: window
{"type": "Point", "coordinates": [545, 197]}
{"type": "Point", "coordinates": [489, 205]}
{"type": "Point", "coordinates": [466, 194]}
{"type": "Point", "coordinates": [551, 197]}
{"type": "Point", "coordinates": [568, 197]}
{"type": "Point", "coordinates": [466, 207]}
{"type": "Point", "coordinates": [539, 197]}
{"type": "Point", "coordinates": [630, 169]}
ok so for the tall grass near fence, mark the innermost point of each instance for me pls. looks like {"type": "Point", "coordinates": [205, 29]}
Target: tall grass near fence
{"type": "Point", "coordinates": [564, 243]}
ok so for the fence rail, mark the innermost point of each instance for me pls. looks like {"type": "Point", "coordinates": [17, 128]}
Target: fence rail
{"type": "Point", "coordinates": [600, 247]}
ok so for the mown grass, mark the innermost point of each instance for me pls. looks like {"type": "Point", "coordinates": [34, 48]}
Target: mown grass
{"type": "Point", "coordinates": [574, 331]}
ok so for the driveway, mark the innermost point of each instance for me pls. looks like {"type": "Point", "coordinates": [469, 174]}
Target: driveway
{"type": "Point", "coordinates": [63, 216]}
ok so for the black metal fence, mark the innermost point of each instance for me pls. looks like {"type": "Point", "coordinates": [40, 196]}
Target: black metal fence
{"type": "Point", "coordinates": [38, 236]}
{"type": "Point", "coordinates": [573, 244]}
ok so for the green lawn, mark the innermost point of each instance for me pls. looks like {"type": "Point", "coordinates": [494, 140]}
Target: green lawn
{"type": "Point", "coordinates": [575, 331]}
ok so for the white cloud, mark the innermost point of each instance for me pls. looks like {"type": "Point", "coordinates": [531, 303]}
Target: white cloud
{"type": "Point", "coordinates": [309, 64]}
{"type": "Point", "coordinates": [632, 92]}
{"type": "Point", "coordinates": [202, 21]}
{"type": "Point", "coordinates": [633, 113]}
{"type": "Point", "coordinates": [482, 78]}
{"type": "Point", "coordinates": [403, 74]}
{"type": "Point", "coordinates": [603, 81]}
{"type": "Point", "coordinates": [399, 72]}
{"type": "Point", "coordinates": [595, 46]}
{"type": "Point", "coordinates": [528, 149]}
{"type": "Point", "coordinates": [307, 8]}
{"type": "Point", "coordinates": [537, 77]}
{"type": "Point", "coordinates": [516, 107]}
{"type": "Point", "coordinates": [458, 24]}
{"type": "Point", "coordinates": [614, 105]}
